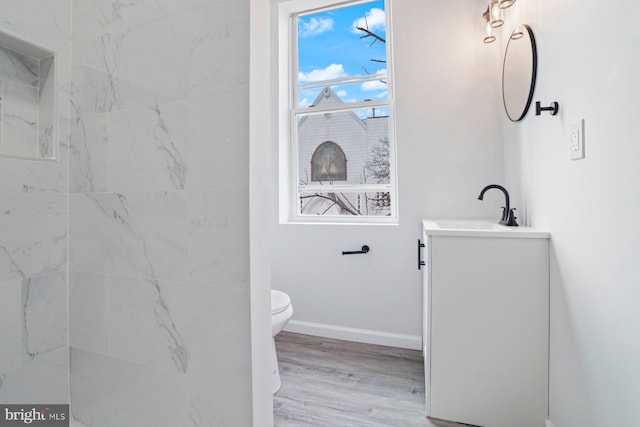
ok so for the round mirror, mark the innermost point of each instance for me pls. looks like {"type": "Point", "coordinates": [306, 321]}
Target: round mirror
{"type": "Point", "coordinates": [519, 73]}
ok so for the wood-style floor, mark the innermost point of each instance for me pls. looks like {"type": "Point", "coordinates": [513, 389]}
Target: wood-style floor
{"type": "Point", "coordinates": [334, 383]}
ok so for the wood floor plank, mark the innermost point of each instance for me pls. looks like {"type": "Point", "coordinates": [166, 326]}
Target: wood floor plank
{"type": "Point", "coordinates": [335, 383]}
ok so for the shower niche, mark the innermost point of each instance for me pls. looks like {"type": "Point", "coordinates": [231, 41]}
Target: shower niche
{"type": "Point", "coordinates": [28, 99]}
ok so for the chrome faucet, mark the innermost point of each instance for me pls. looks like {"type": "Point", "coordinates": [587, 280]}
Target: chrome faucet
{"type": "Point", "coordinates": [508, 216]}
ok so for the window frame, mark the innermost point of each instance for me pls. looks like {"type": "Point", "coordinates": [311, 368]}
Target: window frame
{"type": "Point", "coordinates": [289, 110]}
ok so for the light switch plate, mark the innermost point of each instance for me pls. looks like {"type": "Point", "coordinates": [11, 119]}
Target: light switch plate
{"type": "Point", "coordinates": [576, 140]}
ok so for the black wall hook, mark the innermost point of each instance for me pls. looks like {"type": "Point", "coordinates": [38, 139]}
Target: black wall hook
{"type": "Point", "coordinates": [553, 108]}
{"type": "Point", "coordinates": [364, 250]}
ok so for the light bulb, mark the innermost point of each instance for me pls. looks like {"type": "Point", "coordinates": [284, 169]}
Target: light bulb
{"type": "Point", "coordinates": [506, 3]}
{"type": "Point", "coordinates": [496, 14]}
{"type": "Point", "coordinates": [518, 33]}
{"type": "Point", "coordinates": [489, 38]}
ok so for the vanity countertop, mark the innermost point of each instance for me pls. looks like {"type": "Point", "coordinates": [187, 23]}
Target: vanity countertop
{"type": "Point", "coordinates": [478, 228]}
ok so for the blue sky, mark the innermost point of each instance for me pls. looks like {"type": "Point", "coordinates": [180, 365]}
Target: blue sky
{"type": "Point", "coordinates": [330, 47]}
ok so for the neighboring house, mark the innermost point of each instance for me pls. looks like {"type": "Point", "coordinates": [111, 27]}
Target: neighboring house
{"type": "Point", "coordinates": [334, 147]}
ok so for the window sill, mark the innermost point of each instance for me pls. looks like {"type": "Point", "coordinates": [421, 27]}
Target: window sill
{"type": "Point", "coordinates": [359, 221]}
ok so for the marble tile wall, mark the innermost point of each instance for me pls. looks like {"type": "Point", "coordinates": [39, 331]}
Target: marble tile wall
{"type": "Point", "coordinates": [159, 213]}
{"type": "Point", "coordinates": [19, 118]}
{"type": "Point", "coordinates": [27, 100]}
{"type": "Point", "coordinates": [34, 198]}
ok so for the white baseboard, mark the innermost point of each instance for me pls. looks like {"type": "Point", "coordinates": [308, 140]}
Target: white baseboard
{"type": "Point", "coordinates": [548, 423]}
{"type": "Point", "coordinates": [412, 342]}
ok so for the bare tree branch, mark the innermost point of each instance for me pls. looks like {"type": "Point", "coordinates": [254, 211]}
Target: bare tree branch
{"type": "Point", "coordinates": [337, 201]}
{"type": "Point", "coordinates": [375, 37]}
{"type": "Point", "coordinates": [369, 33]}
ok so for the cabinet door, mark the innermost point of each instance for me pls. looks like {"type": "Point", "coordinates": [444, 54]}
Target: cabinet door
{"type": "Point", "coordinates": [489, 330]}
{"type": "Point", "coordinates": [426, 313]}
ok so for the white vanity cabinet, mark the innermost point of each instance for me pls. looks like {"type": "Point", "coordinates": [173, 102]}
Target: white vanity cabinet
{"type": "Point", "coordinates": [486, 323]}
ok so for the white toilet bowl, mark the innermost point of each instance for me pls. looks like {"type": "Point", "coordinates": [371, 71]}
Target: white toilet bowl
{"type": "Point", "coordinates": [281, 312]}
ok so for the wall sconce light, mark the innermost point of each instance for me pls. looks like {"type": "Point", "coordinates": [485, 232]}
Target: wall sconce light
{"type": "Point", "coordinates": [495, 14]}
{"type": "Point", "coordinates": [489, 38]}
{"type": "Point", "coordinates": [494, 17]}
{"type": "Point", "coordinates": [506, 3]}
{"type": "Point", "coordinates": [518, 33]}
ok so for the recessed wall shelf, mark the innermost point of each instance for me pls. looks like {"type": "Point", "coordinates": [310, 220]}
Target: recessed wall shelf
{"type": "Point", "coordinates": [28, 99]}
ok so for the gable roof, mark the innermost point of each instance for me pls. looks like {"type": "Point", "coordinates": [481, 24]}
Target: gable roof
{"type": "Point", "coordinates": [328, 96]}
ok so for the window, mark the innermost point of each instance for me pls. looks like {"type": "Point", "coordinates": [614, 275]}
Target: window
{"type": "Point", "coordinates": [338, 112]}
{"type": "Point", "coordinates": [328, 163]}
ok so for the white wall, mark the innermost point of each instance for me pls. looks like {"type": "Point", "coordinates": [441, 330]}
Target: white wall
{"type": "Point", "coordinates": [261, 97]}
{"type": "Point", "coordinates": [589, 63]}
{"type": "Point", "coordinates": [449, 147]}
{"type": "Point", "coordinates": [34, 198]}
{"type": "Point", "coordinates": [160, 324]}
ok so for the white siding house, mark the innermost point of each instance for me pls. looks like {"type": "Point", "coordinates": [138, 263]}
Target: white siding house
{"type": "Point", "coordinates": [334, 147]}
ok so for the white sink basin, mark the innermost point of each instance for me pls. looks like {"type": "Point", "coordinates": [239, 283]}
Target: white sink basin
{"type": "Point", "coordinates": [478, 227]}
{"type": "Point", "coordinates": [468, 224]}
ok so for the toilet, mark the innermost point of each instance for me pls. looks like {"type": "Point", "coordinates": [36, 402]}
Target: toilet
{"type": "Point", "coordinates": [281, 312]}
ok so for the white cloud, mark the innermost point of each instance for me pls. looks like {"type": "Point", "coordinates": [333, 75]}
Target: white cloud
{"type": "Point", "coordinates": [374, 20]}
{"type": "Point", "coordinates": [373, 85]}
{"type": "Point", "coordinates": [341, 93]}
{"type": "Point", "coordinates": [314, 26]}
{"type": "Point", "coordinates": [304, 103]}
{"type": "Point", "coordinates": [376, 84]}
{"type": "Point", "coordinates": [332, 71]}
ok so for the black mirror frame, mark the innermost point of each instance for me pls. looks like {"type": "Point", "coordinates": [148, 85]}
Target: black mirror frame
{"type": "Point", "coordinates": [534, 70]}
